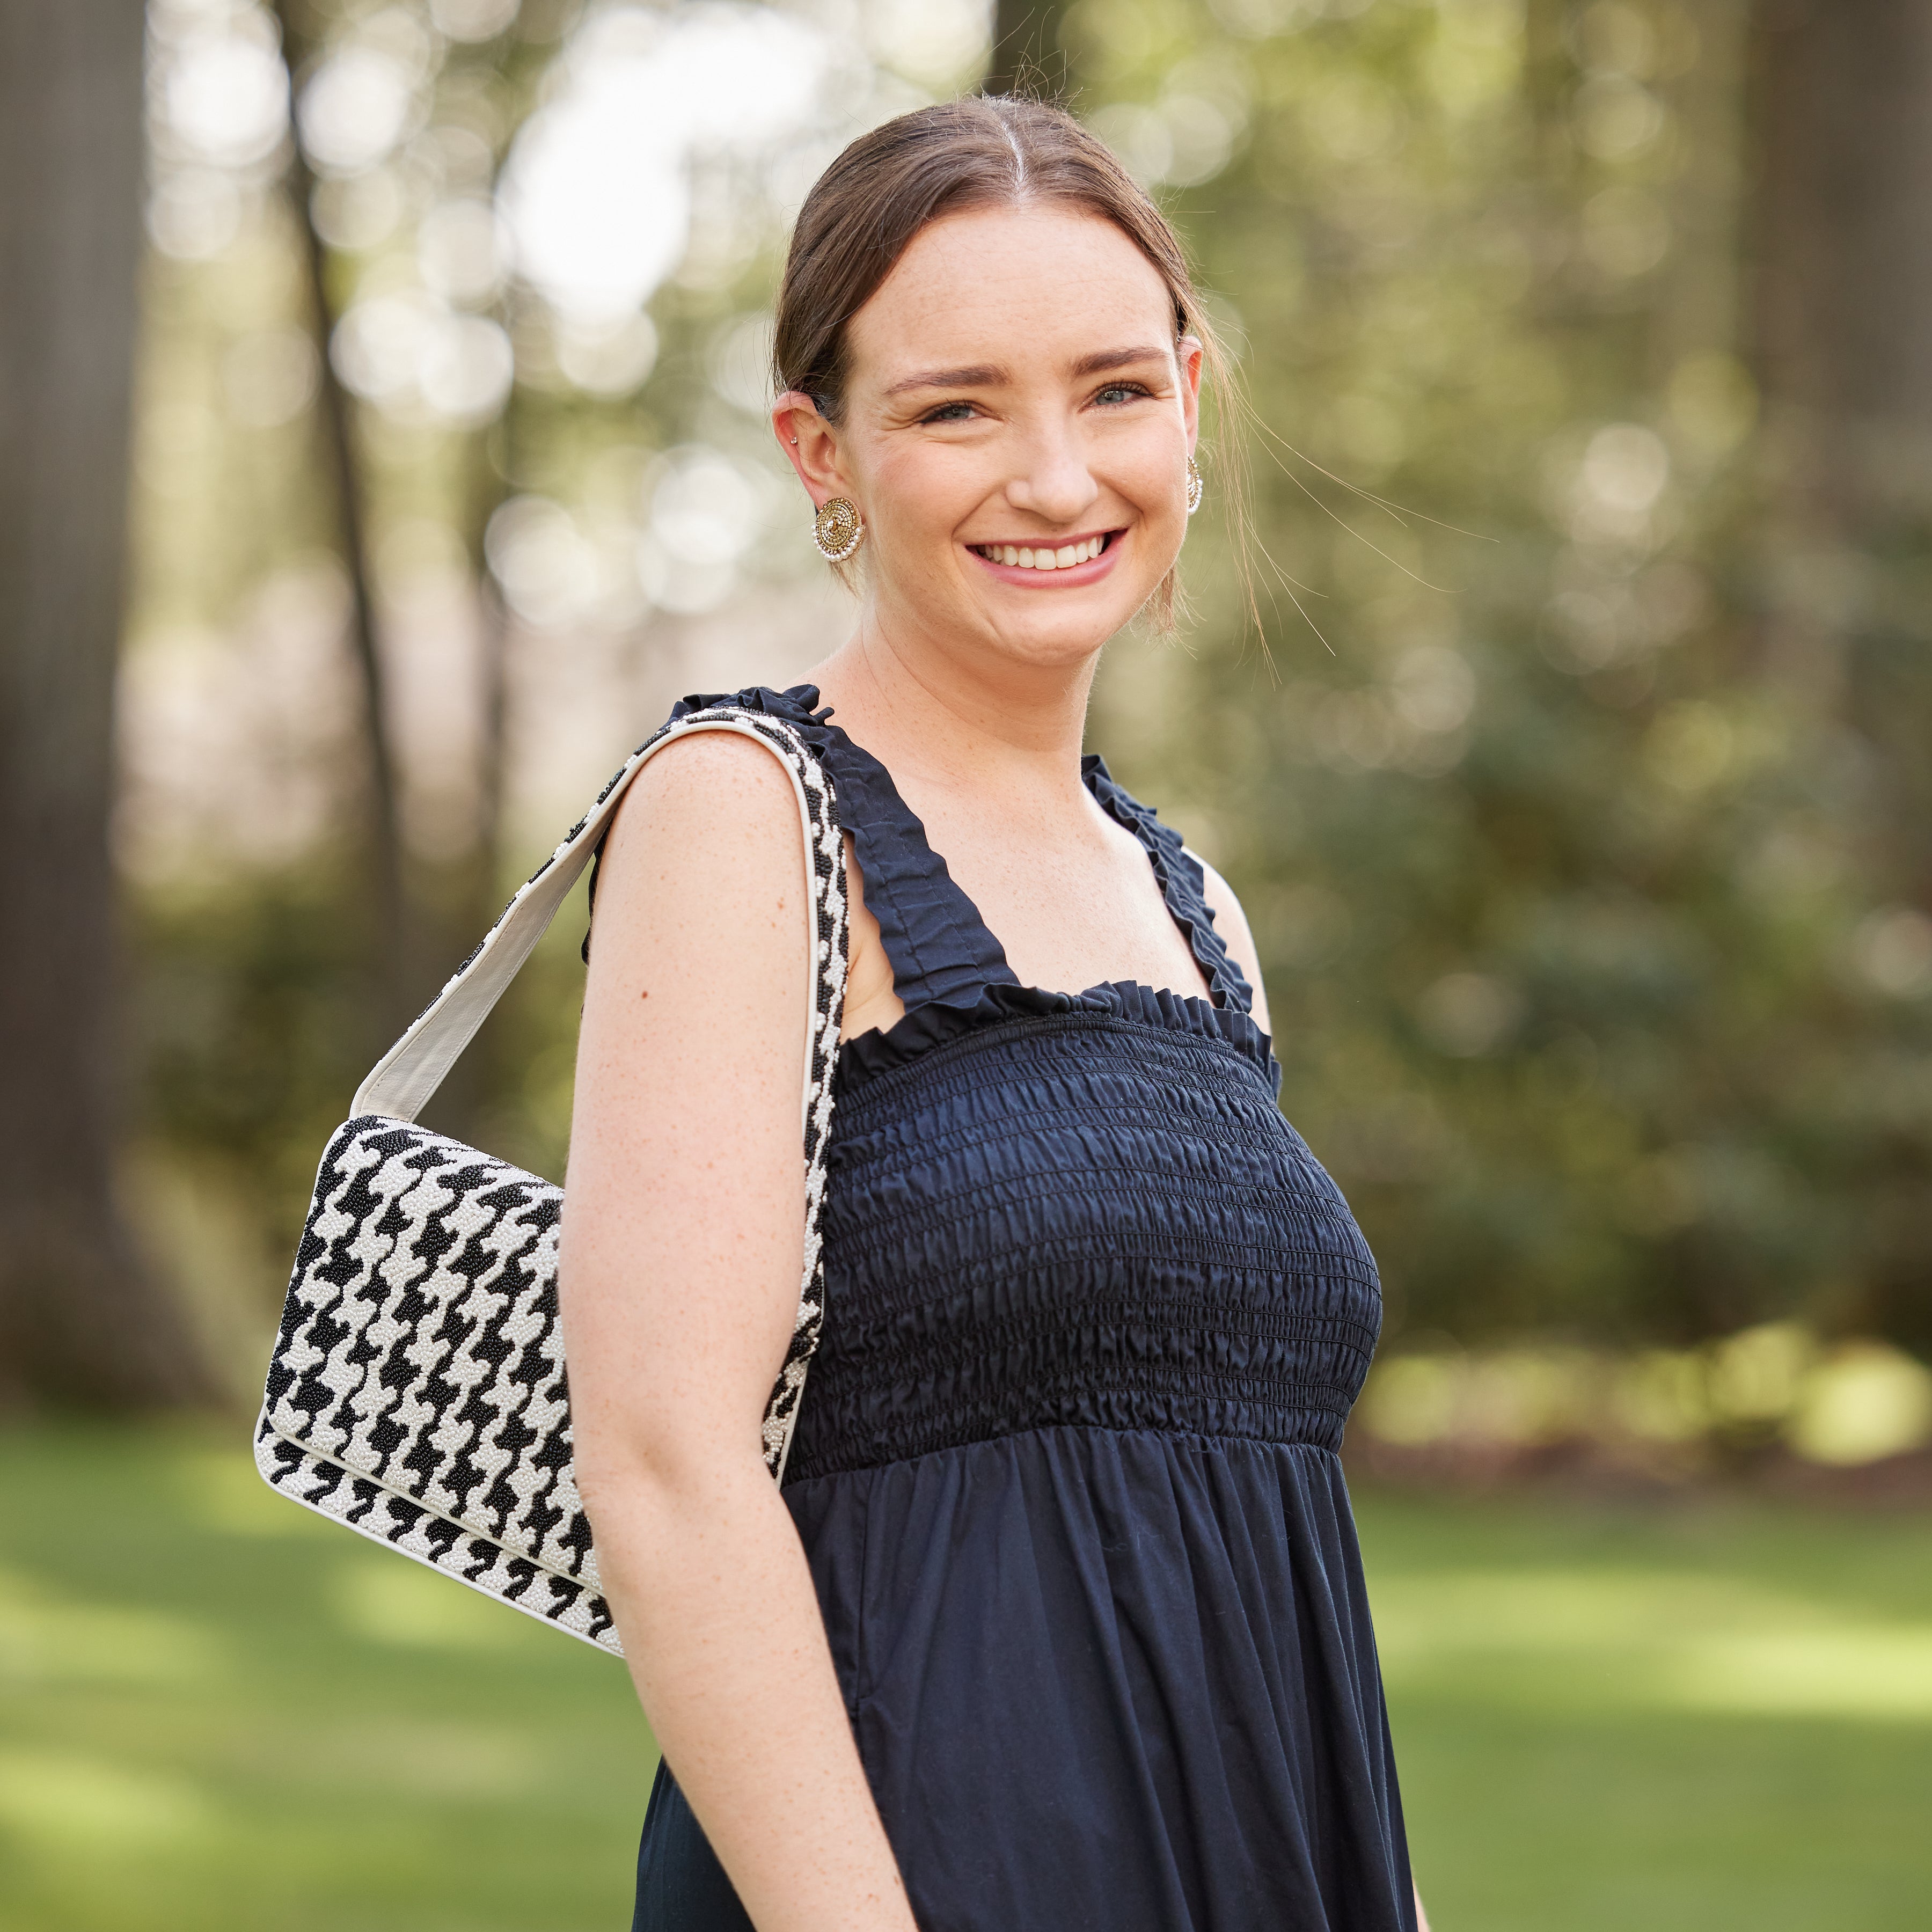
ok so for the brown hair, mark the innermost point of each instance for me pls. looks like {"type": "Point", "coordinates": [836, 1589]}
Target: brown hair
{"type": "Point", "coordinates": [982, 151]}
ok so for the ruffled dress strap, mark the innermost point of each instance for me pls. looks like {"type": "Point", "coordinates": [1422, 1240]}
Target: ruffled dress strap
{"type": "Point", "coordinates": [941, 952]}
{"type": "Point", "coordinates": [950, 970]}
{"type": "Point", "coordinates": [1182, 884]}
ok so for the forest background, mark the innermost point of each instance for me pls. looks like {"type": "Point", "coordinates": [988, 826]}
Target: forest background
{"type": "Point", "coordinates": [381, 394]}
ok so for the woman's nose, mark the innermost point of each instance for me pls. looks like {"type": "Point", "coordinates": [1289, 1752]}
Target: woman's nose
{"type": "Point", "coordinates": [1055, 483]}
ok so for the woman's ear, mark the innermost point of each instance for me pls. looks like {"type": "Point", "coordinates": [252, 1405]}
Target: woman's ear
{"type": "Point", "coordinates": [1189, 354]}
{"type": "Point", "coordinates": [811, 444]}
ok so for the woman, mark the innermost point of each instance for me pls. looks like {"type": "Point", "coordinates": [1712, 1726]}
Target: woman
{"type": "Point", "coordinates": [1058, 1621]}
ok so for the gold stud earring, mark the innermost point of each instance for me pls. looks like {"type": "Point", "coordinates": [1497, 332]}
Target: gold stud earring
{"type": "Point", "coordinates": [837, 530]}
{"type": "Point", "coordinates": [1195, 486]}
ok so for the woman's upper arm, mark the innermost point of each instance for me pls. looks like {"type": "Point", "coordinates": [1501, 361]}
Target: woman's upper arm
{"type": "Point", "coordinates": [1232, 923]}
{"type": "Point", "coordinates": [683, 1224]}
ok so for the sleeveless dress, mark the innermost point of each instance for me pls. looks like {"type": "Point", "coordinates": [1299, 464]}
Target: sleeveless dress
{"type": "Point", "coordinates": [1066, 1469]}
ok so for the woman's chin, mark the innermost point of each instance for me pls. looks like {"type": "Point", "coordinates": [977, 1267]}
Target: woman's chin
{"type": "Point", "coordinates": [1046, 628]}
{"type": "Point", "coordinates": [1061, 625]}
{"type": "Point", "coordinates": [1066, 634]}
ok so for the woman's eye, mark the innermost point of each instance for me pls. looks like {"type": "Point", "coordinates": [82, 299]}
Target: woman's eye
{"type": "Point", "coordinates": [1115, 393]}
{"type": "Point", "coordinates": [950, 413]}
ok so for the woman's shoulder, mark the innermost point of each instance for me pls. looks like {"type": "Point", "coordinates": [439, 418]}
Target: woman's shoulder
{"type": "Point", "coordinates": [719, 776]}
{"type": "Point", "coordinates": [1216, 895]}
{"type": "Point", "coordinates": [716, 781]}
{"type": "Point", "coordinates": [709, 827]}
{"type": "Point", "coordinates": [1232, 923]}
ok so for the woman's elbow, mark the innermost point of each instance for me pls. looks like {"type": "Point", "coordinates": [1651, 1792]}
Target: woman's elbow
{"type": "Point", "coordinates": [664, 1467]}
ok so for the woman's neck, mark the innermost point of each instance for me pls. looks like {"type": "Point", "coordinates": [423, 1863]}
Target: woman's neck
{"type": "Point", "coordinates": [960, 722]}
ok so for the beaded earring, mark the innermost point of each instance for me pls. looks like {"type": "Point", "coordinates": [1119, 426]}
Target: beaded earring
{"type": "Point", "coordinates": [837, 529]}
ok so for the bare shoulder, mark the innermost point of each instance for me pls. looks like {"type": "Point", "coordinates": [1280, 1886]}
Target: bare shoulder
{"type": "Point", "coordinates": [716, 795]}
{"type": "Point", "coordinates": [706, 841]}
{"type": "Point", "coordinates": [1232, 923]}
{"type": "Point", "coordinates": [725, 772]}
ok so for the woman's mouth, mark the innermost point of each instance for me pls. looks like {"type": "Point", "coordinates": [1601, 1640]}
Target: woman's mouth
{"type": "Point", "coordinates": [1045, 557]}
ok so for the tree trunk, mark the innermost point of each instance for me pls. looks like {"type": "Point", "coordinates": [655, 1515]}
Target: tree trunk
{"type": "Point", "coordinates": [1844, 292]}
{"type": "Point", "coordinates": [1843, 111]}
{"type": "Point", "coordinates": [464, 1105]}
{"type": "Point", "coordinates": [80, 1320]}
{"type": "Point", "coordinates": [395, 966]}
{"type": "Point", "coordinates": [1026, 56]}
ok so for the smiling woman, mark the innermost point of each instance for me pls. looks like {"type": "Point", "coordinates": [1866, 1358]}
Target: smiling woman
{"type": "Point", "coordinates": [1062, 468]}
{"type": "Point", "coordinates": [1092, 220]}
{"type": "Point", "coordinates": [1057, 1619]}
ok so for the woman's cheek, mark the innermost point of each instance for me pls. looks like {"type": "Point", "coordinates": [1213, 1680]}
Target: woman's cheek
{"type": "Point", "coordinates": [924, 496]}
{"type": "Point", "coordinates": [1150, 476]}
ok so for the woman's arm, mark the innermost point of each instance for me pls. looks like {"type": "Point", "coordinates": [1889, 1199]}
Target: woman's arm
{"type": "Point", "coordinates": [682, 1250]}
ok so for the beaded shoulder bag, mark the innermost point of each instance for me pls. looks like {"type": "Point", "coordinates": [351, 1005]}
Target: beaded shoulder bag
{"type": "Point", "coordinates": [417, 1391]}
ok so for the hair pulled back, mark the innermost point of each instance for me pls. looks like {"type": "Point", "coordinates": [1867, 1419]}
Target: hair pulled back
{"type": "Point", "coordinates": [980, 152]}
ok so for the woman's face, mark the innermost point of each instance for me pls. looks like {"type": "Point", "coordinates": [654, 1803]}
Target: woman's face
{"type": "Point", "coordinates": [1018, 421]}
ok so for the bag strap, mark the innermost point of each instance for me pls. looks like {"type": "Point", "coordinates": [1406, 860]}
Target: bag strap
{"type": "Point", "coordinates": [401, 1083]}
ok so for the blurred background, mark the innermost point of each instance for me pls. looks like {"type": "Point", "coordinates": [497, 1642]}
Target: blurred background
{"type": "Point", "coordinates": [381, 400]}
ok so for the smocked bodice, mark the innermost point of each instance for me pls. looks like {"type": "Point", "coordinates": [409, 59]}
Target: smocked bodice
{"type": "Point", "coordinates": [1081, 1218]}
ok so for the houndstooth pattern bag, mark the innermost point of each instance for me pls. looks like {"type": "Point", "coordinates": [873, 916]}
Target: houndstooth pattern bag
{"type": "Point", "coordinates": [417, 1391]}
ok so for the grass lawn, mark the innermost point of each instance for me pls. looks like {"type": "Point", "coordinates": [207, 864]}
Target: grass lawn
{"type": "Point", "coordinates": [1711, 1716]}
{"type": "Point", "coordinates": [217, 1712]}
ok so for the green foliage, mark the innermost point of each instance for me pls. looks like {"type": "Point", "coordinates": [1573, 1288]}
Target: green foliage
{"type": "Point", "coordinates": [252, 1032]}
{"type": "Point", "coordinates": [221, 1712]}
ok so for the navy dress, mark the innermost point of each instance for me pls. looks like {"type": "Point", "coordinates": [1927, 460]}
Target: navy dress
{"type": "Point", "coordinates": [1066, 1467]}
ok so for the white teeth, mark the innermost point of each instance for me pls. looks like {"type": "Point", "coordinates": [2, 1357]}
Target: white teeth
{"type": "Point", "coordinates": [1063, 558]}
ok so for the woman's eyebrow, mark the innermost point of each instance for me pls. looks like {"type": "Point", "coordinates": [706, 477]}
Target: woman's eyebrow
{"type": "Point", "coordinates": [1116, 358]}
{"type": "Point", "coordinates": [983, 376]}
